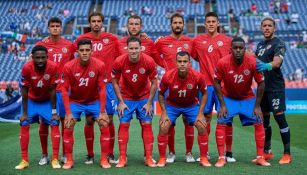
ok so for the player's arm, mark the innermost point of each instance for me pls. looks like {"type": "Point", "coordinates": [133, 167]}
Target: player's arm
{"type": "Point", "coordinates": [218, 91]}
{"type": "Point", "coordinates": [194, 54]}
{"type": "Point", "coordinates": [156, 56]}
{"type": "Point", "coordinates": [24, 94]}
{"type": "Point", "coordinates": [103, 119]}
{"type": "Point", "coordinates": [257, 108]}
{"type": "Point", "coordinates": [121, 105]}
{"type": "Point", "coordinates": [152, 91]}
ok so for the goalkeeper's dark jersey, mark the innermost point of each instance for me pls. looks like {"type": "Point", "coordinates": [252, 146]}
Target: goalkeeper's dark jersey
{"type": "Point", "coordinates": [266, 50]}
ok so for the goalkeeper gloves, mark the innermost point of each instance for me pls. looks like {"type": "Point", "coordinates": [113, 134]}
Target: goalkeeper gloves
{"type": "Point", "coordinates": [261, 66]}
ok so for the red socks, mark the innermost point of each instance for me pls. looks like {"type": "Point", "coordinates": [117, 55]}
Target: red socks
{"type": "Point", "coordinates": [228, 138]}
{"type": "Point", "coordinates": [55, 139]}
{"type": "Point", "coordinates": [112, 136]}
{"type": "Point", "coordinates": [123, 137]}
{"type": "Point", "coordinates": [89, 139]}
{"type": "Point", "coordinates": [162, 144]}
{"type": "Point", "coordinates": [171, 139]}
{"type": "Point", "coordinates": [220, 135]}
{"type": "Point", "coordinates": [189, 137]}
{"type": "Point", "coordinates": [148, 138]}
{"type": "Point", "coordinates": [259, 138]}
{"type": "Point", "coordinates": [104, 142]}
{"type": "Point", "coordinates": [24, 141]}
{"type": "Point", "coordinates": [43, 135]}
{"type": "Point", "coordinates": [203, 144]}
{"type": "Point", "coordinates": [208, 128]}
{"type": "Point", "coordinates": [68, 143]}
{"type": "Point", "coordinates": [62, 133]}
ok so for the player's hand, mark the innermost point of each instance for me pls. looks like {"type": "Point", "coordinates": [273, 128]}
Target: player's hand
{"type": "Point", "coordinates": [120, 109]}
{"type": "Point", "coordinates": [55, 117]}
{"type": "Point", "coordinates": [103, 120]}
{"type": "Point", "coordinates": [144, 35]}
{"type": "Point", "coordinates": [261, 66]}
{"type": "Point", "coordinates": [23, 117]}
{"type": "Point", "coordinates": [69, 121]}
{"type": "Point", "coordinates": [164, 120]}
{"type": "Point", "coordinates": [258, 113]}
{"type": "Point", "coordinates": [223, 112]}
{"type": "Point", "coordinates": [148, 108]}
{"type": "Point", "coordinates": [201, 119]}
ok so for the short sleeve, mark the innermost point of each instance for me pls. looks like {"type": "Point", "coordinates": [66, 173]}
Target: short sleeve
{"type": "Point", "coordinates": [116, 70]}
{"type": "Point", "coordinates": [24, 77]}
{"type": "Point", "coordinates": [202, 83]}
{"type": "Point", "coordinates": [163, 84]}
{"type": "Point", "coordinates": [152, 70]}
{"type": "Point", "coordinates": [219, 71]}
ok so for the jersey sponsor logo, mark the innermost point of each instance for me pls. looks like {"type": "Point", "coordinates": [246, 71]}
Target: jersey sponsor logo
{"type": "Point", "coordinates": [142, 70]}
{"type": "Point", "coordinates": [50, 50]}
{"type": "Point", "coordinates": [34, 78]}
{"type": "Point", "coordinates": [64, 50]}
{"type": "Point", "coordinates": [128, 71]}
{"type": "Point", "coordinates": [105, 40]}
{"type": "Point", "coordinates": [230, 72]}
{"type": "Point", "coordinates": [176, 87]}
{"type": "Point", "coordinates": [189, 86]}
{"type": "Point", "coordinates": [185, 45]}
{"type": "Point", "coordinates": [246, 72]}
{"type": "Point", "coordinates": [91, 74]}
{"type": "Point", "coordinates": [77, 75]}
{"type": "Point", "coordinates": [220, 43]}
{"type": "Point", "coordinates": [268, 47]}
{"type": "Point", "coordinates": [170, 45]}
{"type": "Point", "coordinates": [46, 76]}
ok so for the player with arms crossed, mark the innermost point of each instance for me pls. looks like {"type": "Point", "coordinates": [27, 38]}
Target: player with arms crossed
{"type": "Point", "coordinates": [271, 52]}
{"type": "Point", "coordinates": [168, 47]}
{"type": "Point", "coordinates": [38, 81]}
{"type": "Point", "coordinates": [208, 49]}
{"type": "Point", "coordinates": [135, 83]}
{"type": "Point", "coordinates": [183, 84]}
{"type": "Point", "coordinates": [236, 72]}
{"type": "Point", "coordinates": [85, 78]}
{"type": "Point", "coordinates": [60, 51]}
{"type": "Point", "coordinates": [105, 48]}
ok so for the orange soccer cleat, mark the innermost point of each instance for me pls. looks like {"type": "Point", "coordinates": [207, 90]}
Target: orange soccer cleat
{"type": "Point", "coordinates": [104, 163]}
{"type": "Point", "coordinates": [162, 162]}
{"type": "Point", "coordinates": [268, 156]}
{"type": "Point", "coordinates": [68, 165]}
{"type": "Point", "coordinates": [122, 162]}
{"type": "Point", "coordinates": [204, 162]}
{"type": "Point", "coordinates": [261, 161]}
{"type": "Point", "coordinates": [149, 162]}
{"type": "Point", "coordinates": [286, 159]}
{"type": "Point", "coordinates": [220, 163]}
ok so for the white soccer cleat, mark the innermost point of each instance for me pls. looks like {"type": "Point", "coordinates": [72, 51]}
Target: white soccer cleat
{"type": "Point", "coordinates": [112, 159]}
{"type": "Point", "coordinates": [44, 160]}
{"type": "Point", "coordinates": [170, 158]}
{"type": "Point", "coordinates": [89, 160]}
{"type": "Point", "coordinates": [189, 158]}
{"type": "Point", "coordinates": [230, 159]}
{"type": "Point", "coordinates": [63, 159]}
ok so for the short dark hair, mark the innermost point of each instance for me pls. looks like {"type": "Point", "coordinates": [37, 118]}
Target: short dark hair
{"type": "Point", "coordinates": [84, 42]}
{"type": "Point", "coordinates": [183, 53]}
{"type": "Point", "coordinates": [269, 19]}
{"type": "Point", "coordinates": [134, 39]}
{"type": "Point", "coordinates": [39, 48]}
{"type": "Point", "coordinates": [237, 39]}
{"type": "Point", "coordinates": [95, 14]}
{"type": "Point", "coordinates": [135, 17]}
{"type": "Point", "coordinates": [54, 20]}
{"type": "Point", "coordinates": [176, 15]}
{"type": "Point", "coordinates": [212, 14]}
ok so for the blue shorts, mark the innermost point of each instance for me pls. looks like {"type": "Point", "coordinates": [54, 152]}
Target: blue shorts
{"type": "Point", "coordinates": [60, 105]}
{"type": "Point", "coordinates": [212, 99]}
{"type": "Point", "coordinates": [137, 107]}
{"type": "Point", "coordinates": [111, 99]}
{"type": "Point", "coordinates": [189, 112]}
{"type": "Point", "coordinates": [92, 110]}
{"type": "Point", "coordinates": [39, 112]}
{"type": "Point", "coordinates": [243, 108]}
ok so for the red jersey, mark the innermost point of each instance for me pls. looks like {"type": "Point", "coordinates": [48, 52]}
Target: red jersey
{"type": "Point", "coordinates": [134, 78]}
{"type": "Point", "coordinates": [182, 92]}
{"type": "Point", "coordinates": [39, 83]}
{"type": "Point", "coordinates": [208, 50]}
{"type": "Point", "coordinates": [104, 48]}
{"type": "Point", "coordinates": [147, 47]}
{"type": "Point", "coordinates": [83, 81]}
{"type": "Point", "coordinates": [59, 52]}
{"type": "Point", "coordinates": [238, 79]}
{"type": "Point", "coordinates": [168, 47]}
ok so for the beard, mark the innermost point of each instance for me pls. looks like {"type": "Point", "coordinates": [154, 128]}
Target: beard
{"type": "Point", "coordinates": [177, 32]}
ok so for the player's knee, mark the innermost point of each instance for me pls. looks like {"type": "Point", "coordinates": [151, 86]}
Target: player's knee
{"type": "Point", "coordinates": [54, 122]}
{"type": "Point", "coordinates": [69, 124]}
{"type": "Point", "coordinates": [24, 123]}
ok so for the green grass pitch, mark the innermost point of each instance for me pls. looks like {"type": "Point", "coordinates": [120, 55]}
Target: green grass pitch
{"type": "Point", "coordinates": [243, 149]}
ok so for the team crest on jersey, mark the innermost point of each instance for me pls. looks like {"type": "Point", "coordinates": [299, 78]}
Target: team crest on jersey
{"type": "Point", "coordinates": [64, 50]}
{"type": "Point", "coordinates": [220, 43]}
{"type": "Point", "coordinates": [46, 76]}
{"type": "Point", "coordinates": [185, 45]}
{"type": "Point", "coordinates": [230, 72]}
{"type": "Point", "coordinates": [91, 74]}
{"type": "Point", "coordinates": [143, 48]}
{"type": "Point", "coordinates": [246, 72]}
{"type": "Point", "coordinates": [128, 71]}
{"type": "Point", "coordinates": [50, 50]}
{"type": "Point", "coordinates": [268, 47]}
{"type": "Point", "coordinates": [105, 40]}
{"type": "Point", "coordinates": [189, 86]}
{"type": "Point", "coordinates": [170, 45]}
{"type": "Point", "coordinates": [142, 70]}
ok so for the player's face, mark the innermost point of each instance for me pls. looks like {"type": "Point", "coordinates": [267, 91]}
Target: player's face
{"type": "Point", "coordinates": [211, 24]}
{"type": "Point", "coordinates": [177, 25]}
{"type": "Point", "coordinates": [96, 23]}
{"type": "Point", "coordinates": [84, 52]}
{"type": "Point", "coordinates": [238, 51]}
{"type": "Point", "coordinates": [55, 29]}
{"type": "Point", "coordinates": [267, 29]}
{"type": "Point", "coordinates": [134, 49]}
{"type": "Point", "coordinates": [182, 63]}
{"type": "Point", "coordinates": [40, 59]}
{"type": "Point", "coordinates": [134, 27]}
